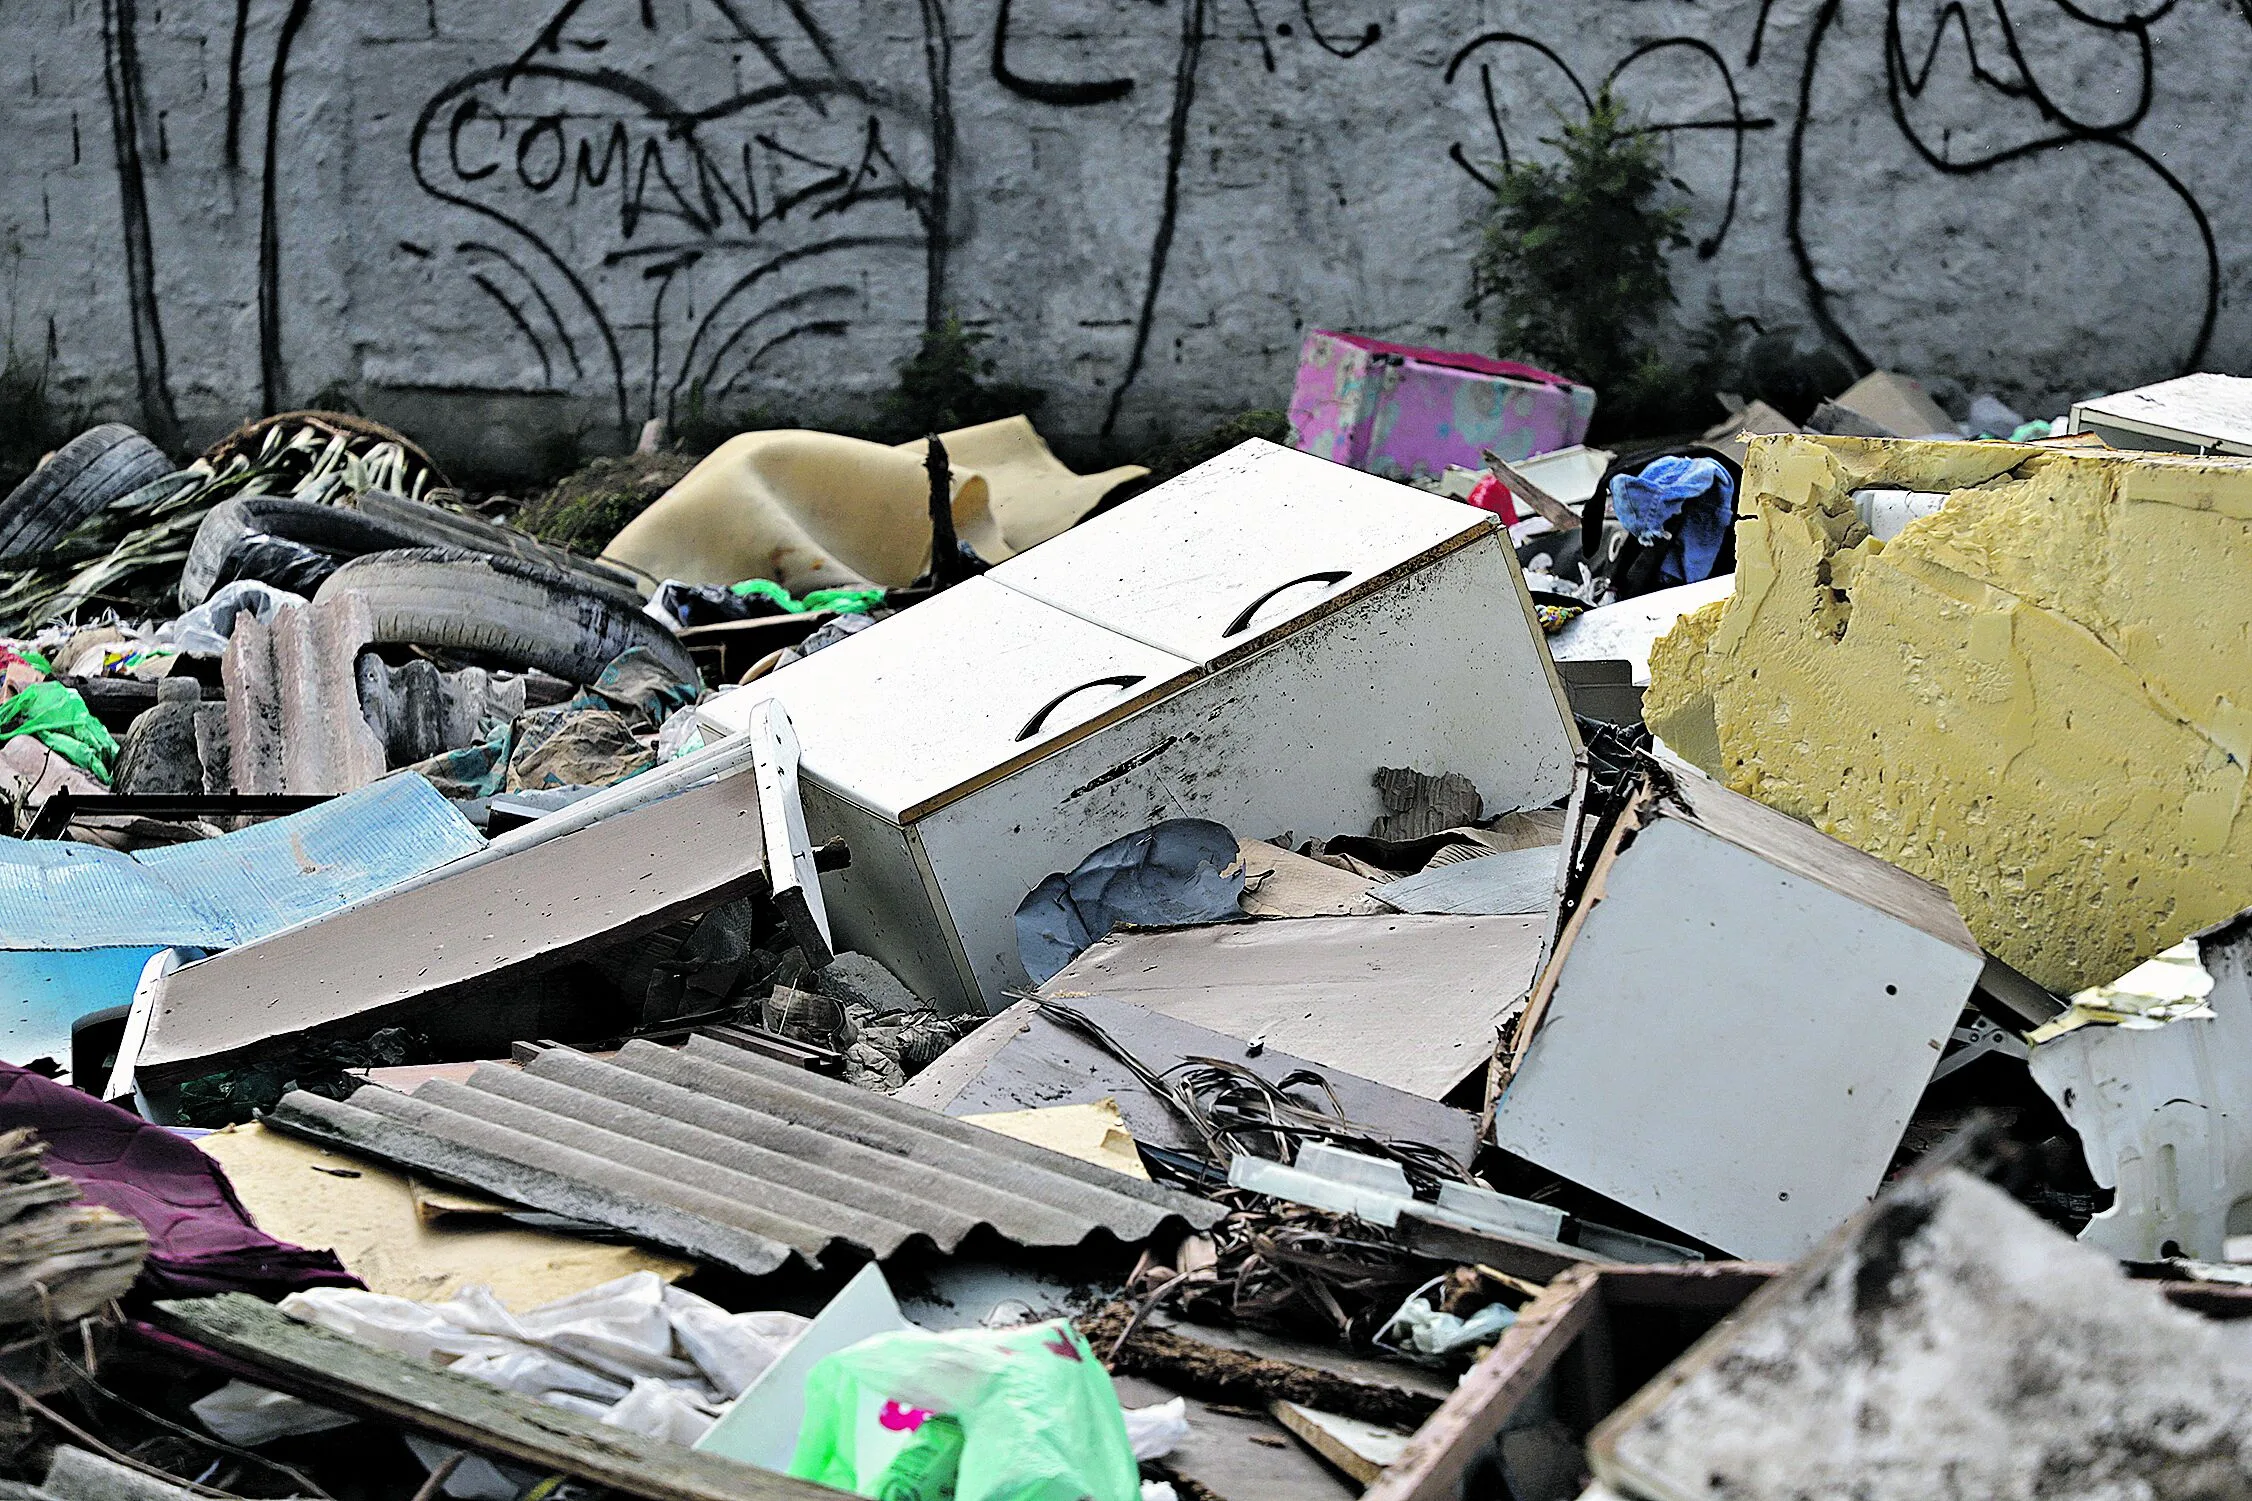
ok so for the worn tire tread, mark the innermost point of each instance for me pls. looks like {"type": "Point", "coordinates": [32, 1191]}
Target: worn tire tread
{"type": "Point", "coordinates": [504, 607]}
{"type": "Point", "coordinates": [98, 466]}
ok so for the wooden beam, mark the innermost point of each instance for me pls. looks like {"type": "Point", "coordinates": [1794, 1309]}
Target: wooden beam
{"type": "Point", "coordinates": [327, 1368]}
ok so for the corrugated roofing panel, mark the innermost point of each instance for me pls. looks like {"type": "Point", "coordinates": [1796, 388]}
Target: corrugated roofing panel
{"type": "Point", "coordinates": [737, 1158]}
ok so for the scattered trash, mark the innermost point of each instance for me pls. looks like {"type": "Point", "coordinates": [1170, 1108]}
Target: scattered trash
{"type": "Point", "coordinates": [1229, 952]}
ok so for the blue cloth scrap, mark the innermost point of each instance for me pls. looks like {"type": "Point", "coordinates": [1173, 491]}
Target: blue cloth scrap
{"type": "Point", "coordinates": [1699, 492]}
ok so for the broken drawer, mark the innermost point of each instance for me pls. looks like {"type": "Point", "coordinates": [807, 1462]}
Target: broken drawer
{"type": "Point", "coordinates": [1440, 670]}
{"type": "Point", "coordinates": [1235, 554]}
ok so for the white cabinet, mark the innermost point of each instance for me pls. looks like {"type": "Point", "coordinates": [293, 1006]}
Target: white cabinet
{"type": "Point", "coordinates": [1005, 729]}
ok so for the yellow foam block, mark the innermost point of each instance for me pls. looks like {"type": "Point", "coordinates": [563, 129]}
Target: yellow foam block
{"type": "Point", "coordinates": [2036, 697]}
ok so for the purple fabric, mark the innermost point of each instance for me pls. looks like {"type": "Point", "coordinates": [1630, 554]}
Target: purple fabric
{"type": "Point", "coordinates": [201, 1239]}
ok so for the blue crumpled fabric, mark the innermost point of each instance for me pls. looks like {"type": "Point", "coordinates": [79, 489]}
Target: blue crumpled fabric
{"type": "Point", "coordinates": [1698, 491]}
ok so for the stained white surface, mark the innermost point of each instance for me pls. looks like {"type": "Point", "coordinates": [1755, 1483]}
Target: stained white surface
{"type": "Point", "coordinates": [1733, 1048]}
{"type": "Point", "coordinates": [2191, 411]}
{"type": "Point", "coordinates": [915, 706]}
{"type": "Point", "coordinates": [1175, 567]}
{"type": "Point", "coordinates": [1440, 672]}
{"type": "Point", "coordinates": [2165, 1117]}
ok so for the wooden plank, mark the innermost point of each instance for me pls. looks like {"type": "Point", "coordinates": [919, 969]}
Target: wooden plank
{"type": "Point", "coordinates": [1362, 1450]}
{"type": "Point", "coordinates": [465, 931]}
{"type": "Point", "coordinates": [326, 1367]}
{"type": "Point", "coordinates": [1432, 1467]}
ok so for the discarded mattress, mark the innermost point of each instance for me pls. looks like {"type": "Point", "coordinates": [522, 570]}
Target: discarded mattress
{"type": "Point", "coordinates": [736, 1158]}
{"type": "Point", "coordinates": [201, 1240]}
{"type": "Point", "coordinates": [2037, 697]}
{"type": "Point", "coordinates": [807, 510]}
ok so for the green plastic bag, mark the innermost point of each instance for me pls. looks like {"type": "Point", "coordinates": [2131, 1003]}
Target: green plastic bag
{"type": "Point", "coordinates": [1024, 1414]}
{"type": "Point", "coordinates": [60, 720]}
{"type": "Point", "coordinates": [843, 601]}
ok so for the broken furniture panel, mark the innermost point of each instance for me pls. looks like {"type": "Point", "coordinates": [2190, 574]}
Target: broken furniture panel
{"type": "Point", "coordinates": [2165, 1115]}
{"type": "Point", "coordinates": [1020, 1059]}
{"type": "Point", "coordinates": [2201, 413]}
{"type": "Point", "coordinates": [1001, 731]}
{"type": "Point", "coordinates": [1944, 1343]}
{"type": "Point", "coordinates": [470, 927]}
{"type": "Point", "coordinates": [1406, 1000]}
{"type": "Point", "coordinates": [78, 922]}
{"type": "Point", "coordinates": [1736, 1023]}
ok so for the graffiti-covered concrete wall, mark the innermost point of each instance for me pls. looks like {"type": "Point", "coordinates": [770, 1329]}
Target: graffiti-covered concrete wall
{"type": "Point", "coordinates": [495, 219]}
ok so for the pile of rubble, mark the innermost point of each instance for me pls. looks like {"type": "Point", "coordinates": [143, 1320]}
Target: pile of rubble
{"type": "Point", "coordinates": [1433, 961]}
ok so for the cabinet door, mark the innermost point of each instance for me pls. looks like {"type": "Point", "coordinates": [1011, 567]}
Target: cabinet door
{"type": "Point", "coordinates": [960, 690]}
{"type": "Point", "coordinates": [1229, 557]}
{"type": "Point", "coordinates": [1440, 672]}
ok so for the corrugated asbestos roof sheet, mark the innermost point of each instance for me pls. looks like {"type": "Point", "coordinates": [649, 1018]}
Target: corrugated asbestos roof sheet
{"type": "Point", "coordinates": [736, 1158]}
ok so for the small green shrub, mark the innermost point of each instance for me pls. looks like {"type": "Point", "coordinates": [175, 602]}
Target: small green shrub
{"type": "Point", "coordinates": [1572, 268]}
{"type": "Point", "coordinates": [1184, 454]}
{"type": "Point", "coordinates": [947, 383]}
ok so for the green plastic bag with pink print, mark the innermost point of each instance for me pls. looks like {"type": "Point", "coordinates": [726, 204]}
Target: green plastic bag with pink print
{"type": "Point", "coordinates": [1024, 1414]}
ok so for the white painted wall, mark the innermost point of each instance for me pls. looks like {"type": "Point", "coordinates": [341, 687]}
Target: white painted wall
{"type": "Point", "coordinates": [2021, 212]}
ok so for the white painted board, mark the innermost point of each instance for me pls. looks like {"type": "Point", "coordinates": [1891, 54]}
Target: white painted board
{"type": "Point", "coordinates": [910, 711]}
{"type": "Point", "coordinates": [1732, 1047]}
{"type": "Point", "coordinates": [2191, 412]}
{"type": "Point", "coordinates": [1406, 1000]}
{"type": "Point", "coordinates": [761, 1426]}
{"type": "Point", "coordinates": [1178, 566]}
{"type": "Point", "coordinates": [1626, 631]}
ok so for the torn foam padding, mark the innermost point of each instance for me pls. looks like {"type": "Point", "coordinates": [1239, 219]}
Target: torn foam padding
{"type": "Point", "coordinates": [2038, 697]}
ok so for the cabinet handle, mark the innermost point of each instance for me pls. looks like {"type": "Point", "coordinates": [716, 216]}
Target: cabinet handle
{"type": "Point", "coordinates": [1032, 725]}
{"type": "Point", "coordinates": [1241, 623]}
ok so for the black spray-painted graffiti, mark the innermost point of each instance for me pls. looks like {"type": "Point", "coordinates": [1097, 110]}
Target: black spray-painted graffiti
{"type": "Point", "coordinates": [655, 241]}
{"type": "Point", "coordinates": [630, 199]}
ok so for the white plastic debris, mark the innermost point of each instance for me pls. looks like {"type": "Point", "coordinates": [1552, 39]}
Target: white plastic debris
{"type": "Point", "coordinates": [1157, 1430]}
{"type": "Point", "coordinates": [634, 1352]}
{"type": "Point", "coordinates": [247, 1416]}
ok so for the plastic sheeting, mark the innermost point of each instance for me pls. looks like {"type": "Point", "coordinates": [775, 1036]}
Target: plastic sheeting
{"type": "Point", "coordinates": [227, 891]}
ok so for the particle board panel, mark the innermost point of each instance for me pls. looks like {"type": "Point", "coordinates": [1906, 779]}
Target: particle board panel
{"type": "Point", "coordinates": [445, 939]}
{"type": "Point", "coordinates": [1406, 1000]}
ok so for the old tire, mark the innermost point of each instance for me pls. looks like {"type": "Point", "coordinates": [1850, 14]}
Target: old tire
{"type": "Point", "coordinates": [98, 466]}
{"type": "Point", "coordinates": [225, 544]}
{"type": "Point", "coordinates": [506, 608]}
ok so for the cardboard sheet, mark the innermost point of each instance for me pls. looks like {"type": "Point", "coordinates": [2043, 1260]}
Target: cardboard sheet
{"type": "Point", "coordinates": [1408, 1001]}
{"type": "Point", "coordinates": [366, 1213]}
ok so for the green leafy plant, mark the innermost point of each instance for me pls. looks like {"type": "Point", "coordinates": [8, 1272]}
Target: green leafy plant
{"type": "Point", "coordinates": [948, 383]}
{"type": "Point", "coordinates": [1572, 268]}
{"type": "Point", "coordinates": [700, 425]}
